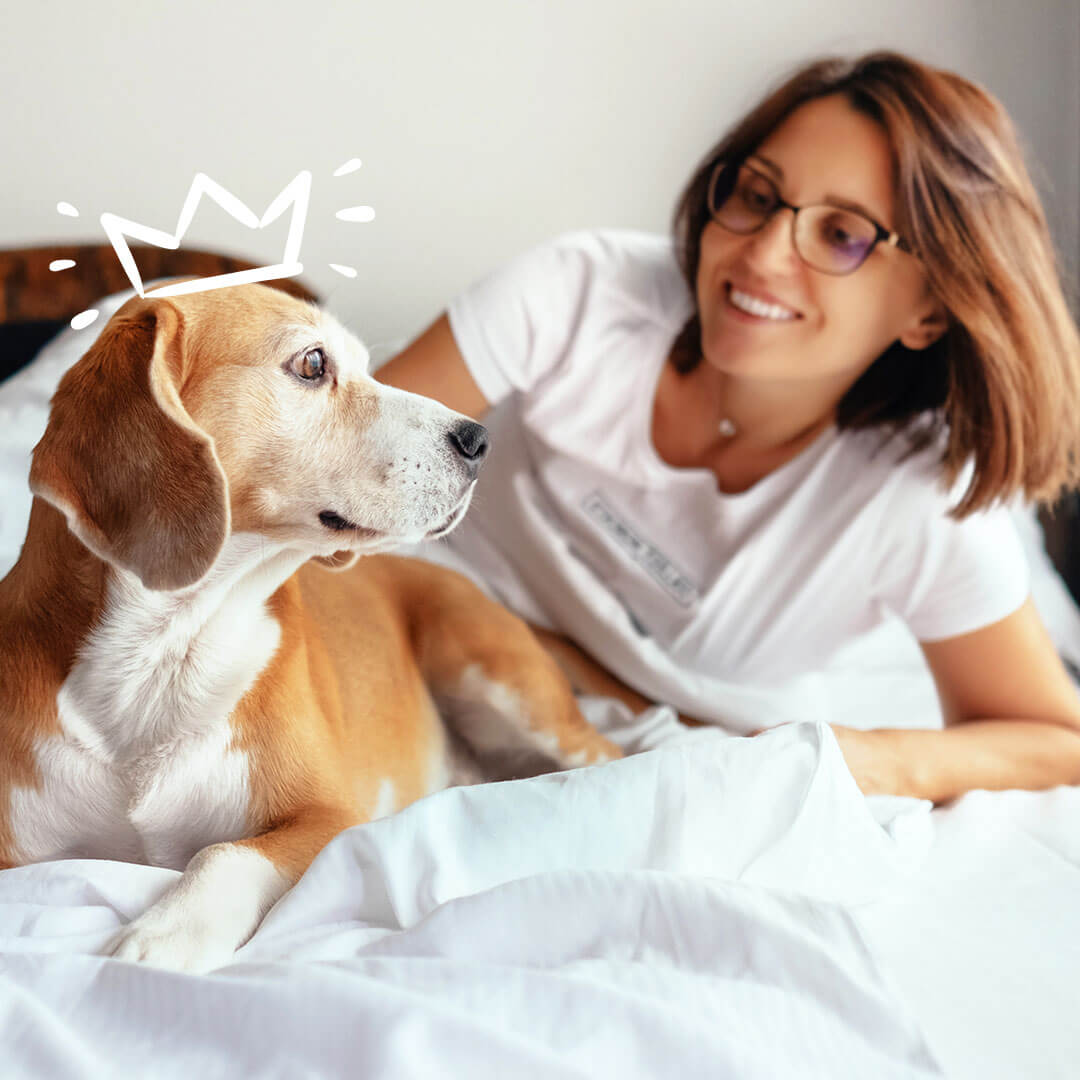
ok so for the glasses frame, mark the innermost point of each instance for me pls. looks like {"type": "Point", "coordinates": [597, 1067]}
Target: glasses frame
{"type": "Point", "coordinates": [881, 234]}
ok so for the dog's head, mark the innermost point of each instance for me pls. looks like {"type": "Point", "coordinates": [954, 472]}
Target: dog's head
{"type": "Point", "coordinates": [244, 410]}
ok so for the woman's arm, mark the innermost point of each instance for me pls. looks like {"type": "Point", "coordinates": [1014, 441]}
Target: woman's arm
{"type": "Point", "coordinates": [432, 365]}
{"type": "Point", "coordinates": [1012, 719]}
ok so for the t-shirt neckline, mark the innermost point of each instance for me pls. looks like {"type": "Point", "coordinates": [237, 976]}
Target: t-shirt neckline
{"type": "Point", "coordinates": [698, 474]}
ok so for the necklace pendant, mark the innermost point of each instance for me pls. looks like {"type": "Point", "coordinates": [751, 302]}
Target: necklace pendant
{"type": "Point", "coordinates": [726, 428]}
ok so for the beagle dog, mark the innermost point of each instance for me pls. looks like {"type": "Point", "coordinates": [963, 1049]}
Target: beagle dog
{"type": "Point", "coordinates": [193, 672]}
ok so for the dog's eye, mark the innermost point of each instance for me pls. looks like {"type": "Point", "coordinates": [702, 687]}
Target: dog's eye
{"type": "Point", "coordinates": [310, 365]}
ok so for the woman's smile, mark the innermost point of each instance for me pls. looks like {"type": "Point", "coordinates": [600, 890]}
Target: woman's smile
{"type": "Point", "coordinates": [746, 307]}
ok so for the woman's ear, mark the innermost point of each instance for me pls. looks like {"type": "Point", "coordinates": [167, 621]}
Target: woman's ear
{"type": "Point", "coordinates": [927, 325]}
{"type": "Point", "coordinates": [138, 481]}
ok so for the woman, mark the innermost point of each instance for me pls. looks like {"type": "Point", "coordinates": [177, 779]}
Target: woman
{"type": "Point", "coordinates": [717, 462]}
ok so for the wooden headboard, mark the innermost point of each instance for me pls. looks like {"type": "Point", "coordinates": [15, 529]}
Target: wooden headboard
{"type": "Point", "coordinates": [32, 293]}
{"type": "Point", "coordinates": [36, 302]}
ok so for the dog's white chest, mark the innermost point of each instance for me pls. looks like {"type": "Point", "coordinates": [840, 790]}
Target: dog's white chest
{"type": "Point", "coordinates": [145, 769]}
{"type": "Point", "coordinates": [158, 810]}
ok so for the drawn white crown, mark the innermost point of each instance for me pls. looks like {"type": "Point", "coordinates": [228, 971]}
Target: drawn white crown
{"type": "Point", "coordinates": [296, 194]}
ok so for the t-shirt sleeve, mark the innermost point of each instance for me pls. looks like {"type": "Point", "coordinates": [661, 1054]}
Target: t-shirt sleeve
{"type": "Point", "coordinates": [513, 325]}
{"type": "Point", "coordinates": [952, 577]}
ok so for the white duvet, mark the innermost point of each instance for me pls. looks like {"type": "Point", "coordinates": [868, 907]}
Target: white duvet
{"type": "Point", "coordinates": [678, 913]}
{"type": "Point", "coordinates": [708, 907]}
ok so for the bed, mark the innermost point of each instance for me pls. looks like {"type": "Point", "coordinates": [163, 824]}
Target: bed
{"type": "Point", "coordinates": [710, 906]}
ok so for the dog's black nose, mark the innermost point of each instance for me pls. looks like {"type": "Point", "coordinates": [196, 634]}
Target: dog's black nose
{"type": "Point", "coordinates": [471, 442]}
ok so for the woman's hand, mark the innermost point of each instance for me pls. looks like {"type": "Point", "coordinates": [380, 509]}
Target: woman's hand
{"type": "Point", "coordinates": [870, 757]}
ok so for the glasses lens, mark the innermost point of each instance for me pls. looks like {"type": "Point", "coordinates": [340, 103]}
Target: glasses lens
{"type": "Point", "coordinates": [833, 240]}
{"type": "Point", "coordinates": [741, 201]}
{"type": "Point", "coordinates": [828, 238]}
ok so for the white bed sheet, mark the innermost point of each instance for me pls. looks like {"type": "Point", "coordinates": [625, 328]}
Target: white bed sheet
{"type": "Point", "coordinates": [712, 907]}
{"type": "Point", "coordinates": [984, 941]}
{"type": "Point", "coordinates": [683, 912]}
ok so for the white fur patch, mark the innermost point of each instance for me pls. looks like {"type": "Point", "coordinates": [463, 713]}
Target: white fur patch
{"type": "Point", "coordinates": [501, 717]}
{"type": "Point", "coordinates": [493, 721]}
{"type": "Point", "coordinates": [200, 797]}
{"type": "Point", "coordinates": [386, 800]}
{"type": "Point", "coordinates": [79, 812]}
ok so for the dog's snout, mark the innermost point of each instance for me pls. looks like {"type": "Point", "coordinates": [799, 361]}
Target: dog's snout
{"type": "Point", "coordinates": [470, 440]}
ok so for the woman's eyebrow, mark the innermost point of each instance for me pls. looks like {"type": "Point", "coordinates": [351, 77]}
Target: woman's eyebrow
{"type": "Point", "coordinates": [832, 200]}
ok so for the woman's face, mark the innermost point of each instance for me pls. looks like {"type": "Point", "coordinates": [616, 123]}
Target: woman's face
{"type": "Point", "coordinates": [834, 326]}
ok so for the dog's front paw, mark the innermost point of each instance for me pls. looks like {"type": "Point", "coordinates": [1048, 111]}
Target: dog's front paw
{"type": "Point", "coordinates": [207, 915]}
{"type": "Point", "coordinates": [182, 946]}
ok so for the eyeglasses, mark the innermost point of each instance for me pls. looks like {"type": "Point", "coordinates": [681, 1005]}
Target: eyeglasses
{"type": "Point", "coordinates": [827, 238]}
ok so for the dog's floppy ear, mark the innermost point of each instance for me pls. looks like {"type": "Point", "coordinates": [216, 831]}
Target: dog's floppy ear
{"type": "Point", "coordinates": [138, 481]}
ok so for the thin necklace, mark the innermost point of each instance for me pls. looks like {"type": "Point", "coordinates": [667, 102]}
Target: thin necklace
{"type": "Point", "coordinates": [725, 426]}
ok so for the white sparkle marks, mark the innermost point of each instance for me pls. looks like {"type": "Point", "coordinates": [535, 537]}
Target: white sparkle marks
{"type": "Point", "coordinates": [356, 213]}
{"type": "Point", "coordinates": [350, 166]}
{"type": "Point", "coordinates": [61, 264]}
{"type": "Point", "coordinates": [84, 318]}
{"type": "Point", "coordinates": [66, 209]}
{"type": "Point", "coordinates": [351, 213]}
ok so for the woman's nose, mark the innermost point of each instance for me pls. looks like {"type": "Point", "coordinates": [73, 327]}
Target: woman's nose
{"type": "Point", "coordinates": [772, 246]}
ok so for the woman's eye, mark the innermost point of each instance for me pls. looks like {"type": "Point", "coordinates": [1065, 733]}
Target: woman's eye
{"type": "Point", "coordinates": [839, 236]}
{"type": "Point", "coordinates": [756, 198]}
{"type": "Point", "coordinates": [840, 231]}
{"type": "Point", "coordinates": [311, 365]}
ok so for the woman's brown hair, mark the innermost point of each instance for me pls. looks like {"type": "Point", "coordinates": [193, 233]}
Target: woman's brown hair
{"type": "Point", "coordinates": [1003, 382]}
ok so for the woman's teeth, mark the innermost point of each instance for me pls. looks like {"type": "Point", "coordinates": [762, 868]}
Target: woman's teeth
{"type": "Point", "coordinates": [752, 306]}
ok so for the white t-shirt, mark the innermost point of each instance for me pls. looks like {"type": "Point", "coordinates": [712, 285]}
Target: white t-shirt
{"type": "Point", "coordinates": [715, 603]}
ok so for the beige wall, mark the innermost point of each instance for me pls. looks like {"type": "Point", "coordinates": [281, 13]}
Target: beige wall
{"type": "Point", "coordinates": [483, 125]}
